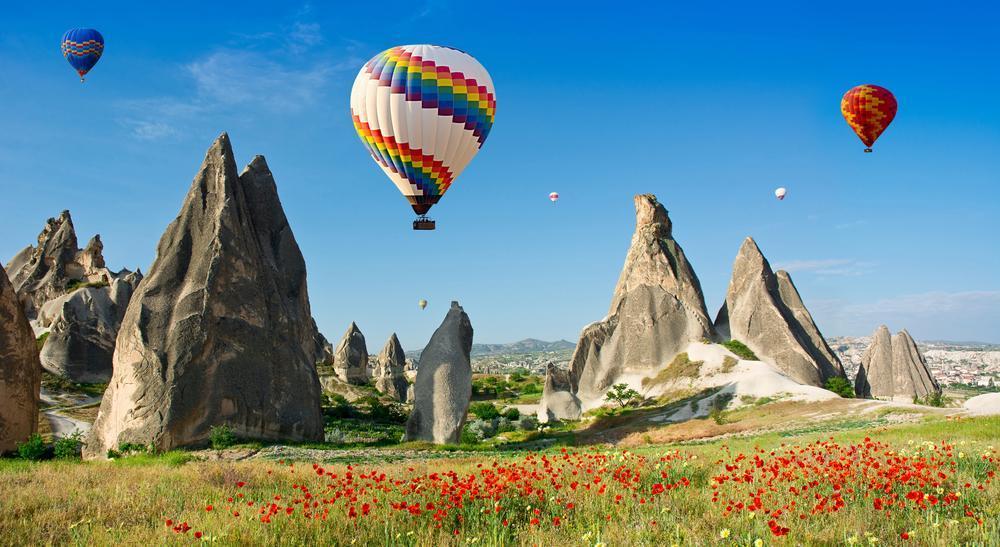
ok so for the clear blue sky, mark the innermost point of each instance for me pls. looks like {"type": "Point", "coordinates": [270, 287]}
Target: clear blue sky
{"type": "Point", "coordinates": [709, 108]}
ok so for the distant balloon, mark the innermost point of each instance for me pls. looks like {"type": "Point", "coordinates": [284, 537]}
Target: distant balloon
{"type": "Point", "coordinates": [868, 109]}
{"type": "Point", "coordinates": [554, 196]}
{"type": "Point", "coordinates": [422, 304]}
{"type": "Point", "coordinates": [423, 112]}
{"type": "Point", "coordinates": [82, 47]}
{"type": "Point", "coordinates": [780, 193]}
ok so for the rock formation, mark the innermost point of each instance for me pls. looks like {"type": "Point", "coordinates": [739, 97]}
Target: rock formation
{"type": "Point", "coordinates": [350, 359]}
{"type": "Point", "coordinates": [657, 309]}
{"type": "Point", "coordinates": [390, 366]}
{"type": "Point", "coordinates": [70, 294]}
{"type": "Point", "coordinates": [82, 326]}
{"type": "Point", "coordinates": [220, 331]}
{"type": "Point", "coordinates": [444, 382]}
{"type": "Point", "coordinates": [42, 273]}
{"type": "Point", "coordinates": [764, 311]}
{"type": "Point", "coordinates": [559, 402]}
{"type": "Point", "coordinates": [893, 368]}
{"type": "Point", "coordinates": [20, 372]}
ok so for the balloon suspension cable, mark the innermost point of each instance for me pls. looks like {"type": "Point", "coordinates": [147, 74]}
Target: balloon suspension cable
{"type": "Point", "coordinates": [423, 223]}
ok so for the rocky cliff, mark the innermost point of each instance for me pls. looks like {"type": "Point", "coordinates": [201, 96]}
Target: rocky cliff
{"type": "Point", "coordinates": [893, 368]}
{"type": "Point", "coordinates": [20, 372]}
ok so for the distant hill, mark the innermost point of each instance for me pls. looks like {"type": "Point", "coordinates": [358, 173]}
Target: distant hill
{"type": "Point", "coordinates": [528, 345]}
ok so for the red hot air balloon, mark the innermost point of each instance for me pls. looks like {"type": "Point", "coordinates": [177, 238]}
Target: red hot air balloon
{"type": "Point", "coordinates": [554, 196]}
{"type": "Point", "coordinates": [868, 109]}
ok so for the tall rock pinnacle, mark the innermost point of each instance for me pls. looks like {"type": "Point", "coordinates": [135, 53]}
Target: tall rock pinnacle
{"type": "Point", "coordinates": [657, 309]}
{"type": "Point", "coordinates": [220, 331]}
{"type": "Point", "coordinates": [893, 368]}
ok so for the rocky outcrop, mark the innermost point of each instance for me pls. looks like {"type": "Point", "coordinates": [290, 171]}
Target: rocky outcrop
{"type": "Point", "coordinates": [444, 382]}
{"type": "Point", "coordinates": [350, 359]}
{"type": "Point", "coordinates": [220, 331]}
{"type": "Point", "coordinates": [764, 311]}
{"type": "Point", "coordinates": [390, 365]}
{"type": "Point", "coordinates": [70, 294]}
{"type": "Point", "coordinates": [82, 326]}
{"type": "Point", "coordinates": [559, 401]}
{"type": "Point", "coordinates": [42, 273]}
{"type": "Point", "coordinates": [894, 369]}
{"type": "Point", "coordinates": [657, 309]}
{"type": "Point", "coordinates": [20, 373]}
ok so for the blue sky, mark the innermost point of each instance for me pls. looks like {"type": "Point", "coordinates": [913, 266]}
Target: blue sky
{"type": "Point", "coordinates": [710, 108]}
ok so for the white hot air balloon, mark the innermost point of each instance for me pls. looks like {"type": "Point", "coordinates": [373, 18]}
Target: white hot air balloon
{"type": "Point", "coordinates": [780, 193]}
{"type": "Point", "coordinates": [423, 112]}
{"type": "Point", "coordinates": [554, 196]}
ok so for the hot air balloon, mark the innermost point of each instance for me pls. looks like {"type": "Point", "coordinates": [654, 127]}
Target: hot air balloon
{"type": "Point", "coordinates": [423, 112]}
{"type": "Point", "coordinates": [82, 47]}
{"type": "Point", "coordinates": [554, 197]}
{"type": "Point", "coordinates": [422, 303]}
{"type": "Point", "coordinates": [780, 193]}
{"type": "Point", "coordinates": [868, 109]}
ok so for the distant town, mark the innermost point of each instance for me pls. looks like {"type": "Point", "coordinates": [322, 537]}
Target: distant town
{"type": "Point", "coordinates": [972, 364]}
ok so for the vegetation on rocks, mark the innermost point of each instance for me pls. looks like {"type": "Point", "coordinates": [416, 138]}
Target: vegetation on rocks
{"type": "Point", "coordinates": [740, 349]}
{"type": "Point", "coordinates": [841, 386]}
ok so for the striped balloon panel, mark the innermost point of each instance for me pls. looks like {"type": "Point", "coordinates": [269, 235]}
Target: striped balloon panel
{"type": "Point", "coordinates": [423, 112]}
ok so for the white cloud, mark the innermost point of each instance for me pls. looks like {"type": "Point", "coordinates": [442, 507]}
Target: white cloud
{"type": "Point", "coordinates": [826, 266]}
{"type": "Point", "coordinates": [150, 130]}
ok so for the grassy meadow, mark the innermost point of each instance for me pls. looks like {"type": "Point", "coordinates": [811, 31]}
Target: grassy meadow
{"type": "Point", "coordinates": [875, 483]}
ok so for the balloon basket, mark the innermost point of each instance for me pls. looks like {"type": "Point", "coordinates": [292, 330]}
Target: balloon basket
{"type": "Point", "coordinates": [868, 150]}
{"type": "Point", "coordinates": [423, 223]}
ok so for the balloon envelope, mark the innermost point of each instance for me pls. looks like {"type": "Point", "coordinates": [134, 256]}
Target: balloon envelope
{"type": "Point", "coordinates": [422, 304]}
{"type": "Point", "coordinates": [868, 109]}
{"type": "Point", "coordinates": [82, 47]}
{"type": "Point", "coordinates": [423, 112]}
{"type": "Point", "coordinates": [554, 196]}
{"type": "Point", "coordinates": [780, 193]}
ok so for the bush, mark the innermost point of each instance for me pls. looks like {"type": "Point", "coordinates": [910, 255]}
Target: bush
{"type": "Point", "coordinates": [484, 411]}
{"type": "Point", "coordinates": [504, 425]}
{"type": "Point", "coordinates": [932, 399]}
{"type": "Point", "coordinates": [79, 284]}
{"type": "Point", "coordinates": [511, 414]}
{"type": "Point", "coordinates": [621, 394]}
{"type": "Point", "coordinates": [336, 406]}
{"type": "Point", "coordinates": [33, 449]}
{"type": "Point", "coordinates": [719, 404]}
{"type": "Point", "coordinates": [334, 436]}
{"type": "Point", "coordinates": [482, 429]}
{"type": "Point", "coordinates": [841, 386]}
{"type": "Point", "coordinates": [221, 436]}
{"type": "Point", "coordinates": [530, 389]}
{"type": "Point", "coordinates": [528, 423]}
{"type": "Point", "coordinates": [740, 349]}
{"type": "Point", "coordinates": [69, 448]}
{"type": "Point", "coordinates": [468, 435]}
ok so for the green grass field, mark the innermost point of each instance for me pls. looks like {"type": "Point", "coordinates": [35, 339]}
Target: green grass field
{"type": "Point", "coordinates": [934, 482]}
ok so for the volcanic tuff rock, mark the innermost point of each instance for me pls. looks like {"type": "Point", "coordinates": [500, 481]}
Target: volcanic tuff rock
{"type": "Point", "coordinates": [764, 311]}
{"type": "Point", "coordinates": [42, 273]}
{"type": "Point", "coordinates": [82, 326]}
{"type": "Point", "coordinates": [657, 309]}
{"type": "Point", "coordinates": [220, 331]}
{"type": "Point", "coordinates": [20, 372]}
{"type": "Point", "coordinates": [559, 402]}
{"type": "Point", "coordinates": [894, 369]}
{"type": "Point", "coordinates": [350, 359]}
{"type": "Point", "coordinates": [390, 365]}
{"type": "Point", "coordinates": [444, 382]}
{"type": "Point", "coordinates": [82, 323]}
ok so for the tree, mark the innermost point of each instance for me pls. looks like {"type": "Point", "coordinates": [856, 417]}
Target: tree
{"type": "Point", "coordinates": [841, 386]}
{"type": "Point", "coordinates": [621, 394]}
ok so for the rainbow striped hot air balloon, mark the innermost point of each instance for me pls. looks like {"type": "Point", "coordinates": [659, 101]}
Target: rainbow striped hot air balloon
{"type": "Point", "coordinates": [82, 47]}
{"type": "Point", "coordinates": [868, 109]}
{"type": "Point", "coordinates": [423, 112]}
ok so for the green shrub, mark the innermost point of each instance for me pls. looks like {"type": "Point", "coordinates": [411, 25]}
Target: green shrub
{"type": "Point", "coordinates": [33, 449]}
{"type": "Point", "coordinates": [932, 399]}
{"type": "Point", "coordinates": [841, 386]}
{"type": "Point", "coordinates": [511, 414]}
{"type": "Point", "coordinates": [484, 411]}
{"type": "Point", "coordinates": [719, 404]}
{"type": "Point", "coordinates": [728, 363]}
{"type": "Point", "coordinates": [621, 394]}
{"type": "Point", "coordinates": [740, 349]}
{"type": "Point", "coordinates": [79, 284]}
{"type": "Point", "coordinates": [469, 435]}
{"type": "Point", "coordinates": [336, 406]}
{"type": "Point", "coordinates": [221, 436]}
{"type": "Point", "coordinates": [69, 448]}
{"type": "Point", "coordinates": [40, 341]}
{"type": "Point", "coordinates": [531, 388]}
